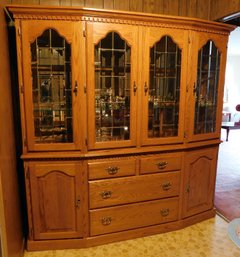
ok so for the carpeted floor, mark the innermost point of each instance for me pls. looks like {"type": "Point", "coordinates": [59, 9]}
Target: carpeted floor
{"type": "Point", "coordinates": [227, 195]}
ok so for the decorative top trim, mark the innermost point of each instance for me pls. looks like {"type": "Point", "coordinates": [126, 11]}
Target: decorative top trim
{"type": "Point", "coordinates": [109, 16]}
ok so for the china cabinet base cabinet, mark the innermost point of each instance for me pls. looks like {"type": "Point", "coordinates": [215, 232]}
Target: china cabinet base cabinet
{"type": "Point", "coordinates": [120, 117]}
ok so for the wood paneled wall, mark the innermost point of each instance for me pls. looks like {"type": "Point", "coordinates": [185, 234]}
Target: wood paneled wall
{"type": "Point", "coordinates": [10, 214]}
{"type": "Point", "coordinates": [191, 8]}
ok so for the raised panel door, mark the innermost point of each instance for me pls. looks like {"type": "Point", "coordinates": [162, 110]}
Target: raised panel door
{"type": "Point", "coordinates": [199, 181]}
{"type": "Point", "coordinates": [163, 85]}
{"type": "Point", "coordinates": [112, 85]}
{"type": "Point", "coordinates": [53, 84]}
{"type": "Point", "coordinates": [56, 191]}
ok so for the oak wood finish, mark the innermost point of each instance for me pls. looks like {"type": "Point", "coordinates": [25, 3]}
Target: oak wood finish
{"type": "Point", "coordinates": [111, 168]}
{"type": "Point", "coordinates": [149, 38]}
{"type": "Point", "coordinates": [96, 32]}
{"type": "Point", "coordinates": [121, 218]}
{"type": "Point", "coordinates": [199, 181]}
{"type": "Point", "coordinates": [69, 31]}
{"type": "Point", "coordinates": [160, 163]}
{"type": "Point", "coordinates": [56, 199]}
{"type": "Point", "coordinates": [111, 192]}
{"type": "Point", "coordinates": [198, 41]}
{"type": "Point", "coordinates": [114, 237]}
{"type": "Point", "coordinates": [127, 188]}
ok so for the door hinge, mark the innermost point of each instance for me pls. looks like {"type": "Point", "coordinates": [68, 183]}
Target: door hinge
{"type": "Point", "coordinates": [189, 39]}
{"type": "Point", "coordinates": [85, 89]}
{"type": "Point", "coordinates": [84, 32]}
{"type": "Point", "coordinates": [22, 89]}
{"type": "Point", "coordinates": [19, 32]}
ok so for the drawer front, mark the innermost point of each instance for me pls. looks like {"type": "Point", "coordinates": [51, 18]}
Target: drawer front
{"type": "Point", "coordinates": [160, 163]}
{"type": "Point", "coordinates": [111, 168]}
{"type": "Point", "coordinates": [132, 216]}
{"type": "Point", "coordinates": [133, 189]}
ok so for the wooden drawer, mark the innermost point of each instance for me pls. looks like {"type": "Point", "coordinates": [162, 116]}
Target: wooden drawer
{"type": "Point", "coordinates": [160, 163]}
{"type": "Point", "coordinates": [131, 216]}
{"type": "Point", "coordinates": [111, 192]}
{"type": "Point", "coordinates": [111, 168]}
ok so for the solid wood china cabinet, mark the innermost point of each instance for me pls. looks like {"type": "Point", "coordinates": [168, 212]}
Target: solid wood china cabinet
{"type": "Point", "coordinates": [121, 118]}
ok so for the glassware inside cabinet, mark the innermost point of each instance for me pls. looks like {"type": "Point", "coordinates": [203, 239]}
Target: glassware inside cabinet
{"type": "Point", "coordinates": [112, 89]}
{"type": "Point", "coordinates": [206, 89]}
{"type": "Point", "coordinates": [164, 89]}
{"type": "Point", "coordinates": [51, 88]}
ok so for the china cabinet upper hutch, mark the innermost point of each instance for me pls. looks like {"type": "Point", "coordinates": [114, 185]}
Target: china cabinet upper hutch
{"type": "Point", "coordinates": [120, 118]}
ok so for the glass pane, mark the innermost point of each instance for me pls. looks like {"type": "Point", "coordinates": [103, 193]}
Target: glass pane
{"type": "Point", "coordinates": [207, 89]}
{"type": "Point", "coordinates": [51, 83]}
{"type": "Point", "coordinates": [112, 89]}
{"type": "Point", "coordinates": [164, 89]}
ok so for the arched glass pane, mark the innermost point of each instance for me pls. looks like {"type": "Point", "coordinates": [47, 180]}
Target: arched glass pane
{"type": "Point", "coordinates": [51, 85]}
{"type": "Point", "coordinates": [164, 89]}
{"type": "Point", "coordinates": [206, 90]}
{"type": "Point", "coordinates": [112, 88]}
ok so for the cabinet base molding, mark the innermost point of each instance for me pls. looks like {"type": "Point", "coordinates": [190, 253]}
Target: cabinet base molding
{"type": "Point", "coordinates": [119, 236]}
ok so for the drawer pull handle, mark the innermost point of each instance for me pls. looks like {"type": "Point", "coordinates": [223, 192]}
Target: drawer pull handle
{"type": "Point", "coordinates": [106, 194]}
{"type": "Point", "coordinates": [162, 165]}
{"type": "Point", "coordinates": [164, 212]}
{"type": "Point", "coordinates": [166, 186]}
{"type": "Point", "coordinates": [106, 221]}
{"type": "Point", "coordinates": [112, 170]}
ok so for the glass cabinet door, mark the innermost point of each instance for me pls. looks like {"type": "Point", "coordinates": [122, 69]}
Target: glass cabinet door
{"type": "Point", "coordinates": [112, 117]}
{"type": "Point", "coordinates": [52, 88]}
{"type": "Point", "coordinates": [205, 105]}
{"type": "Point", "coordinates": [206, 89]}
{"type": "Point", "coordinates": [163, 88]}
{"type": "Point", "coordinates": [52, 91]}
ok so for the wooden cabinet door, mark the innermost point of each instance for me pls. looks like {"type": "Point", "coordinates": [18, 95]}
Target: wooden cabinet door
{"type": "Point", "coordinates": [56, 200]}
{"type": "Point", "coordinates": [112, 84]}
{"type": "Point", "coordinates": [52, 89]}
{"type": "Point", "coordinates": [163, 85]}
{"type": "Point", "coordinates": [199, 180]}
{"type": "Point", "coordinates": [206, 69]}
